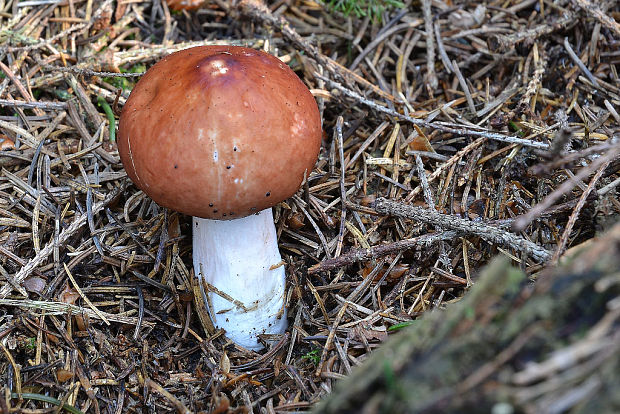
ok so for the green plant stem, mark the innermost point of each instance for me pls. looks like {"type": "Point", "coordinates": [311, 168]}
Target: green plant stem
{"type": "Point", "coordinates": [400, 325]}
{"type": "Point", "coordinates": [108, 111]}
{"type": "Point", "coordinates": [45, 398]}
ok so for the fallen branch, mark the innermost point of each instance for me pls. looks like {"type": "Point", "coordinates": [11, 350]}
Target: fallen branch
{"type": "Point", "coordinates": [360, 255]}
{"type": "Point", "coordinates": [490, 234]}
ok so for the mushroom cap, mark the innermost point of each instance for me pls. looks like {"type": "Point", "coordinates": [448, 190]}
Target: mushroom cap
{"type": "Point", "coordinates": [219, 132]}
{"type": "Point", "coordinates": [178, 5]}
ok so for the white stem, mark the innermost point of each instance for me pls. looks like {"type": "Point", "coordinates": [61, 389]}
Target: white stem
{"type": "Point", "coordinates": [240, 258]}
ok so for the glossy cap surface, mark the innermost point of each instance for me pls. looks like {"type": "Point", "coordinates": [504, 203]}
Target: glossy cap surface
{"type": "Point", "coordinates": [219, 132]}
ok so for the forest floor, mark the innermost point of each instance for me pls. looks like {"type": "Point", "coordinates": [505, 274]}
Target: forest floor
{"type": "Point", "coordinates": [453, 132]}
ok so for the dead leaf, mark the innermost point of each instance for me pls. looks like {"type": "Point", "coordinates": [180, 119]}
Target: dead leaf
{"type": "Point", "coordinates": [35, 284]}
{"type": "Point", "coordinates": [225, 363]}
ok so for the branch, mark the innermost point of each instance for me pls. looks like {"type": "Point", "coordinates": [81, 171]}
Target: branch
{"type": "Point", "coordinates": [490, 234]}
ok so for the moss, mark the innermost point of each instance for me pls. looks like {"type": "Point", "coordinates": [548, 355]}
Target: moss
{"type": "Point", "coordinates": [362, 8]}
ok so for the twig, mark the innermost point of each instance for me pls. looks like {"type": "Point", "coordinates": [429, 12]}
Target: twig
{"type": "Point", "coordinates": [524, 220]}
{"type": "Point", "coordinates": [154, 52]}
{"type": "Point", "coordinates": [265, 357]}
{"type": "Point", "coordinates": [330, 338]}
{"type": "Point", "coordinates": [18, 85]}
{"type": "Point", "coordinates": [534, 84]}
{"type": "Point", "coordinates": [88, 72]}
{"type": "Point", "coordinates": [501, 99]}
{"type": "Point", "coordinates": [462, 130]}
{"type": "Point", "coordinates": [77, 223]}
{"type": "Point", "coordinates": [371, 138]}
{"type": "Point", "coordinates": [615, 183]}
{"type": "Point", "coordinates": [612, 110]}
{"type": "Point", "coordinates": [431, 77]}
{"type": "Point", "coordinates": [575, 214]}
{"type": "Point", "coordinates": [563, 136]}
{"type": "Point", "coordinates": [501, 43]}
{"type": "Point", "coordinates": [579, 63]}
{"type": "Point", "coordinates": [40, 105]}
{"type": "Point", "coordinates": [360, 255]}
{"type": "Point", "coordinates": [178, 405]}
{"type": "Point", "coordinates": [381, 38]}
{"type": "Point", "coordinates": [444, 166]}
{"type": "Point", "coordinates": [16, 368]}
{"type": "Point", "coordinates": [136, 332]}
{"type": "Point", "coordinates": [51, 308]}
{"type": "Point", "coordinates": [90, 219]}
{"type": "Point", "coordinates": [26, 136]}
{"type": "Point", "coordinates": [490, 234]}
{"type": "Point", "coordinates": [442, 50]}
{"type": "Point", "coordinates": [316, 228]}
{"type": "Point", "coordinates": [46, 42]}
{"type": "Point", "coordinates": [257, 10]}
{"type": "Point", "coordinates": [464, 87]}
{"type": "Point", "coordinates": [83, 296]}
{"type": "Point", "coordinates": [343, 190]}
{"type": "Point", "coordinates": [428, 195]}
{"type": "Point", "coordinates": [595, 11]}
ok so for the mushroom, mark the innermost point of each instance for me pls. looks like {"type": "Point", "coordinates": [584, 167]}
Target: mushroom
{"type": "Point", "coordinates": [179, 5]}
{"type": "Point", "coordinates": [223, 133]}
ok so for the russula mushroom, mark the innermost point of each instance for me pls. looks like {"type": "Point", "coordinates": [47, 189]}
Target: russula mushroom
{"type": "Point", "coordinates": [178, 5]}
{"type": "Point", "coordinates": [223, 133]}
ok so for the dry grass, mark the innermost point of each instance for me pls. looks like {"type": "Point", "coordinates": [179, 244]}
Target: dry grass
{"type": "Point", "coordinates": [498, 123]}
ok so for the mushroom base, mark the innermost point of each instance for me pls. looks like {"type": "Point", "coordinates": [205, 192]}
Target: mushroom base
{"type": "Point", "coordinates": [240, 262]}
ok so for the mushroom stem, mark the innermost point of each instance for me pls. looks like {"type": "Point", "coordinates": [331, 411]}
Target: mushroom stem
{"type": "Point", "coordinates": [240, 261]}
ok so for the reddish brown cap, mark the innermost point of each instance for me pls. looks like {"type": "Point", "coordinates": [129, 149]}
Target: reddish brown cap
{"type": "Point", "coordinates": [178, 5]}
{"type": "Point", "coordinates": [219, 132]}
